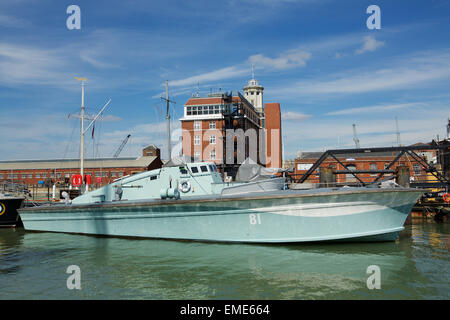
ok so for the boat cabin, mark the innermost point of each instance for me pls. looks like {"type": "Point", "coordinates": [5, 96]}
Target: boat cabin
{"type": "Point", "coordinates": [171, 181]}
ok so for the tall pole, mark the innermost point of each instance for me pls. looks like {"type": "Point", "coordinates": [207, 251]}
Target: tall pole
{"type": "Point", "coordinates": [169, 148]}
{"type": "Point", "coordinates": [168, 121]}
{"type": "Point", "coordinates": [398, 133]}
{"type": "Point", "coordinates": [82, 130]}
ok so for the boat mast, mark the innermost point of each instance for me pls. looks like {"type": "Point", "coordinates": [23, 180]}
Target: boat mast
{"type": "Point", "coordinates": [82, 127]}
{"type": "Point", "coordinates": [169, 148]}
{"type": "Point", "coordinates": [83, 130]}
{"type": "Point", "coordinates": [169, 143]}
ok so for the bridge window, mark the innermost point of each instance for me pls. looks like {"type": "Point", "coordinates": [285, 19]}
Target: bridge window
{"type": "Point", "coordinates": [204, 168]}
{"type": "Point", "coordinates": [183, 170]}
{"type": "Point", "coordinates": [194, 169]}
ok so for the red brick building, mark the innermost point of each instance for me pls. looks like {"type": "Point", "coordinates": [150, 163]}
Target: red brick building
{"type": "Point", "coordinates": [369, 161]}
{"type": "Point", "coordinates": [273, 135]}
{"type": "Point", "coordinates": [242, 119]}
{"type": "Point", "coordinates": [102, 171]}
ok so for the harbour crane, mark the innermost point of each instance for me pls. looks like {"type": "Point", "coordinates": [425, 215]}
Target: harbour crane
{"type": "Point", "coordinates": [355, 137]}
{"type": "Point", "coordinates": [124, 142]}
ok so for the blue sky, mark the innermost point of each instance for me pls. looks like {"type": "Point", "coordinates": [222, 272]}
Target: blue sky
{"type": "Point", "coordinates": [316, 58]}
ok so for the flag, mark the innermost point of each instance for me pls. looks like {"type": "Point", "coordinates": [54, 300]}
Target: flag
{"type": "Point", "coordinates": [93, 129]}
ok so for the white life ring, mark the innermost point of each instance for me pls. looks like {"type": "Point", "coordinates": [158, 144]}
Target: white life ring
{"type": "Point", "coordinates": [185, 186]}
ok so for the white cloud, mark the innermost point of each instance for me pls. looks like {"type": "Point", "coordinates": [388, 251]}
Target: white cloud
{"type": "Point", "coordinates": [110, 117]}
{"type": "Point", "coordinates": [220, 74]}
{"type": "Point", "coordinates": [90, 57]}
{"type": "Point", "coordinates": [294, 116]}
{"type": "Point", "coordinates": [370, 44]}
{"type": "Point", "coordinates": [21, 64]}
{"type": "Point", "coordinates": [377, 108]}
{"type": "Point", "coordinates": [406, 72]}
{"type": "Point", "coordinates": [289, 59]}
{"type": "Point", "coordinates": [12, 22]}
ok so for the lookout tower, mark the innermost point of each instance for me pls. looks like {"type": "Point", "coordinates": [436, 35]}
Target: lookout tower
{"type": "Point", "coordinates": [253, 92]}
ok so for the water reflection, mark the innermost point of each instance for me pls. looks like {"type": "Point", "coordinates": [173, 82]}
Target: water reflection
{"type": "Point", "coordinates": [112, 268]}
{"type": "Point", "coordinates": [10, 240]}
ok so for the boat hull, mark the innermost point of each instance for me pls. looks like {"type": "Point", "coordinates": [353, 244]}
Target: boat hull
{"type": "Point", "coordinates": [8, 211]}
{"type": "Point", "coordinates": [370, 215]}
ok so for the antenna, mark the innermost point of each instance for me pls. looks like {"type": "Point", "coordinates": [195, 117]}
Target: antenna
{"type": "Point", "coordinates": [448, 129]}
{"type": "Point", "coordinates": [169, 147]}
{"type": "Point", "coordinates": [253, 72]}
{"type": "Point", "coordinates": [355, 137]}
{"type": "Point", "coordinates": [398, 132]}
{"type": "Point", "coordinates": [159, 109]}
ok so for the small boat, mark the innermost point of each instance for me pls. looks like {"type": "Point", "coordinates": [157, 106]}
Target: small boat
{"type": "Point", "coordinates": [9, 204]}
{"type": "Point", "coordinates": [190, 201]}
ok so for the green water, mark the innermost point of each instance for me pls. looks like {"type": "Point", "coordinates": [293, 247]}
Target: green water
{"type": "Point", "coordinates": [33, 266]}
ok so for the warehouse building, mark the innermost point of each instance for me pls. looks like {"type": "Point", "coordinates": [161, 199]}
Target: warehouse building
{"type": "Point", "coordinates": [60, 171]}
{"type": "Point", "coordinates": [363, 162]}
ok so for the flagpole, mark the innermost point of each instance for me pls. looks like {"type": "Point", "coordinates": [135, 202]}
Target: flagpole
{"type": "Point", "coordinates": [82, 128]}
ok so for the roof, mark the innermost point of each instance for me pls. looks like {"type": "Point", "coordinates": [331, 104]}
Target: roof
{"type": "Point", "coordinates": [316, 155]}
{"type": "Point", "coordinates": [209, 100]}
{"type": "Point", "coordinates": [151, 146]}
{"type": "Point", "coordinates": [75, 163]}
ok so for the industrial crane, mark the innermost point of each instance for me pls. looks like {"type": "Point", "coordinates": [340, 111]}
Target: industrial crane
{"type": "Point", "coordinates": [124, 142]}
